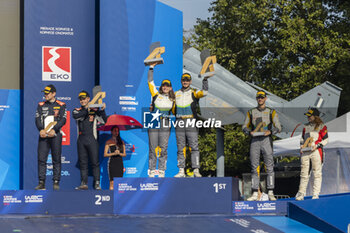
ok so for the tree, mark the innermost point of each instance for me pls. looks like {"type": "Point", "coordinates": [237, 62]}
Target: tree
{"type": "Point", "coordinates": [284, 46]}
{"type": "Point", "coordinates": [236, 152]}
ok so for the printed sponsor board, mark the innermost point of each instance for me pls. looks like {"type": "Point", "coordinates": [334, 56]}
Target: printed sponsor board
{"type": "Point", "coordinates": [57, 64]}
{"type": "Point", "coordinates": [53, 202]}
{"type": "Point", "coordinates": [60, 51]}
{"type": "Point", "coordinates": [260, 207]}
{"type": "Point", "coordinates": [166, 195]}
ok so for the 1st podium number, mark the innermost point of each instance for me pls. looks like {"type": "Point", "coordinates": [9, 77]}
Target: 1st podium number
{"type": "Point", "coordinates": [218, 187]}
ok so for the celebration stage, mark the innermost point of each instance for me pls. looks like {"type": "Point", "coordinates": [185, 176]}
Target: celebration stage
{"type": "Point", "coordinates": [178, 196]}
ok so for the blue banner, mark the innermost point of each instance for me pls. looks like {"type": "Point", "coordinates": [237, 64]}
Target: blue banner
{"type": "Point", "coordinates": [53, 202]}
{"type": "Point", "coordinates": [173, 195]}
{"type": "Point", "coordinates": [127, 29]}
{"type": "Point", "coordinates": [59, 49]}
{"type": "Point", "coordinates": [260, 207]}
{"type": "Point", "coordinates": [9, 139]}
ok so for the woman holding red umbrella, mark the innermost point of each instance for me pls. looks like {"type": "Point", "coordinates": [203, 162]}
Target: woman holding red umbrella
{"type": "Point", "coordinates": [115, 147]}
{"type": "Point", "coordinates": [115, 150]}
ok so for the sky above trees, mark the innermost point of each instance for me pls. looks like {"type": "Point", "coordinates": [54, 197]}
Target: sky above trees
{"type": "Point", "coordinates": [192, 9]}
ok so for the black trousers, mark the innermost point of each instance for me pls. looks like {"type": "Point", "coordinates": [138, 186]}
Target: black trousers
{"type": "Point", "coordinates": [88, 149]}
{"type": "Point", "coordinates": [44, 146]}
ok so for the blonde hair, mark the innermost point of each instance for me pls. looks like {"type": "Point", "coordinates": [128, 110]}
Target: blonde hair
{"type": "Point", "coordinates": [318, 121]}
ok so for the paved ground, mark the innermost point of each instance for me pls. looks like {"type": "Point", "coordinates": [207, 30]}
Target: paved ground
{"type": "Point", "coordinates": [149, 224]}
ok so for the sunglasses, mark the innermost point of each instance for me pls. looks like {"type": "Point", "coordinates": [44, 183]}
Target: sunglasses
{"type": "Point", "coordinates": [260, 97]}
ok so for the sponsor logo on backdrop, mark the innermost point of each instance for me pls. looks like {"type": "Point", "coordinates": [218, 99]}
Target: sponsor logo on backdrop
{"type": "Point", "coordinates": [266, 206]}
{"type": "Point", "coordinates": [131, 170]}
{"type": "Point", "coordinates": [130, 148]}
{"type": "Point", "coordinates": [63, 161]}
{"type": "Point", "coordinates": [128, 109]}
{"type": "Point", "coordinates": [64, 98]}
{"type": "Point", "coordinates": [149, 186]}
{"type": "Point", "coordinates": [129, 103]}
{"type": "Point", "coordinates": [33, 199]}
{"type": "Point", "coordinates": [3, 107]}
{"type": "Point", "coordinates": [129, 85]}
{"type": "Point", "coordinates": [127, 98]}
{"type": "Point", "coordinates": [122, 187]}
{"type": "Point", "coordinates": [9, 199]}
{"type": "Point", "coordinates": [49, 166]}
{"type": "Point", "coordinates": [61, 31]}
{"type": "Point", "coordinates": [65, 130]}
{"type": "Point", "coordinates": [239, 206]}
{"type": "Point", "coordinates": [63, 173]}
{"type": "Point", "coordinates": [56, 62]}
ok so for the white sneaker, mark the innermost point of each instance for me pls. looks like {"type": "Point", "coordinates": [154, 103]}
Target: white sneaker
{"type": "Point", "coordinates": [254, 197]}
{"type": "Point", "coordinates": [299, 196]}
{"type": "Point", "coordinates": [196, 173]}
{"type": "Point", "coordinates": [161, 173]}
{"type": "Point", "coordinates": [181, 173]}
{"type": "Point", "coordinates": [151, 173]}
{"type": "Point", "coordinates": [315, 197]}
{"type": "Point", "coordinates": [271, 195]}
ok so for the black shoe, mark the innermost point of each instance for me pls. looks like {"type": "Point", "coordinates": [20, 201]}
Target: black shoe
{"type": "Point", "coordinates": [41, 185]}
{"type": "Point", "coordinates": [82, 186]}
{"type": "Point", "coordinates": [97, 185]}
{"type": "Point", "coordinates": [56, 185]}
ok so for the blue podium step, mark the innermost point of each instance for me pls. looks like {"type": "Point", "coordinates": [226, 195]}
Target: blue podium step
{"type": "Point", "coordinates": [131, 196]}
{"type": "Point", "coordinates": [328, 214]}
{"type": "Point", "coordinates": [59, 202]}
{"type": "Point", "coordinates": [173, 195]}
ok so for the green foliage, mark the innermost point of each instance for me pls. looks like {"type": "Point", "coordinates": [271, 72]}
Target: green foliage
{"type": "Point", "coordinates": [284, 46]}
{"type": "Point", "coordinates": [236, 151]}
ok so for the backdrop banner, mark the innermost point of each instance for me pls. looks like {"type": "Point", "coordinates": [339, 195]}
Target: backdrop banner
{"type": "Point", "coordinates": [9, 139]}
{"type": "Point", "coordinates": [59, 49]}
{"type": "Point", "coordinates": [127, 29]}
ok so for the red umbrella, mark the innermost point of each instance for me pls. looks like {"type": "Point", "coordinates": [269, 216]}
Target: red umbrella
{"type": "Point", "coordinates": [123, 123]}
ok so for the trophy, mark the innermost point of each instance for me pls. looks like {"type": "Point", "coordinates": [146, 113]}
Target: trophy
{"type": "Point", "coordinates": [208, 62]}
{"type": "Point", "coordinates": [259, 130]}
{"type": "Point", "coordinates": [307, 144]}
{"type": "Point", "coordinates": [49, 123]}
{"type": "Point", "coordinates": [155, 54]}
{"type": "Point", "coordinates": [96, 102]}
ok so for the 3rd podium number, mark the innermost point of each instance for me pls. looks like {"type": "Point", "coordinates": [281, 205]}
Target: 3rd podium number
{"type": "Point", "coordinates": [218, 187]}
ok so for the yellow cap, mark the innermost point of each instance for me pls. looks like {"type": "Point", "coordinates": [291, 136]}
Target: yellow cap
{"type": "Point", "coordinates": [261, 94]}
{"type": "Point", "coordinates": [166, 81]}
{"type": "Point", "coordinates": [186, 76]}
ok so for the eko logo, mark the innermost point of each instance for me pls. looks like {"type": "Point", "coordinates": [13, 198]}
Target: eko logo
{"type": "Point", "coordinates": [57, 63]}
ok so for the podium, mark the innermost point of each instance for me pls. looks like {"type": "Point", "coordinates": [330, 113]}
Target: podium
{"type": "Point", "coordinates": [130, 196]}
{"type": "Point", "coordinates": [173, 195]}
